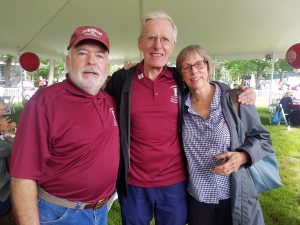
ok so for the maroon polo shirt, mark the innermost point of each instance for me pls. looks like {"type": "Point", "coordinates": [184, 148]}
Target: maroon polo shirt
{"type": "Point", "coordinates": [68, 141]}
{"type": "Point", "coordinates": [155, 155]}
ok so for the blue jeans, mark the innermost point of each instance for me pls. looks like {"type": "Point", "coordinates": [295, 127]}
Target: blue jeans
{"type": "Point", "coordinates": [57, 215]}
{"type": "Point", "coordinates": [166, 204]}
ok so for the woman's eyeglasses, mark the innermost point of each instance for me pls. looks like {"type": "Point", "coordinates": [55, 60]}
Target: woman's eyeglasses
{"type": "Point", "coordinates": [198, 65]}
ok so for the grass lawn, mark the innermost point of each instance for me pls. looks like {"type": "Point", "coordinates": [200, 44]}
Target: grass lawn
{"type": "Point", "coordinates": [280, 206]}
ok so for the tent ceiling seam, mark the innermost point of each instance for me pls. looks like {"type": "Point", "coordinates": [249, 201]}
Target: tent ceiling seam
{"type": "Point", "coordinates": [43, 27]}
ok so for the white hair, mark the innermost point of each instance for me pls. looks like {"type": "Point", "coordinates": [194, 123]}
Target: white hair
{"type": "Point", "coordinates": [159, 15]}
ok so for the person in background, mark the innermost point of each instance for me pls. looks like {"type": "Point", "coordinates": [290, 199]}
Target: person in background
{"type": "Point", "coordinates": [152, 173]}
{"type": "Point", "coordinates": [66, 152]}
{"type": "Point", "coordinates": [6, 141]}
{"type": "Point", "coordinates": [287, 102]}
{"type": "Point", "coordinates": [6, 125]}
{"type": "Point", "coordinates": [42, 82]}
{"type": "Point", "coordinates": [219, 146]}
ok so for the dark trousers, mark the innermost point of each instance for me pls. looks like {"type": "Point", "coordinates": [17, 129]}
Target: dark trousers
{"type": "Point", "coordinates": [200, 213]}
{"type": "Point", "coordinates": [5, 206]}
{"type": "Point", "coordinates": [166, 204]}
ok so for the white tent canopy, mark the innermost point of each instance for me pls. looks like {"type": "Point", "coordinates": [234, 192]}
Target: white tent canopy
{"type": "Point", "coordinates": [231, 28]}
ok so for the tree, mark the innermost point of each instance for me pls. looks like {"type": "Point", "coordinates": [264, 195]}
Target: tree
{"type": "Point", "coordinates": [238, 69]}
{"type": "Point", "coordinates": [281, 66]}
{"type": "Point", "coordinates": [261, 68]}
{"type": "Point", "coordinates": [243, 69]}
{"type": "Point", "coordinates": [43, 71]}
{"type": "Point", "coordinates": [7, 69]}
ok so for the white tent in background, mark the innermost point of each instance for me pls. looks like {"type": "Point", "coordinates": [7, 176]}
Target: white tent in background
{"type": "Point", "coordinates": [234, 28]}
{"type": "Point", "coordinates": [231, 29]}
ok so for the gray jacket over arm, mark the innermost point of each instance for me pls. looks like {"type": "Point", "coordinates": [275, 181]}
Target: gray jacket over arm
{"type": "Point", "coordinates": [249, 135]}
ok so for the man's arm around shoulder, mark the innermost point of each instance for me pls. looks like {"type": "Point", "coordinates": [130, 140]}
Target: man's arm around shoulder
{"type": "Point", "coordinates": [247, 95]}
{"type": "Point", "coordinates": [24, 198]}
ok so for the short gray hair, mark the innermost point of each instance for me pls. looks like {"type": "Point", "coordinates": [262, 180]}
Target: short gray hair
{"type": "Point", "coordinates": [156, 16]}
{"type": "Point", "coordinates": [194, 49]}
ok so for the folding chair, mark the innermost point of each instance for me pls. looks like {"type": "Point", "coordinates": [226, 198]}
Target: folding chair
{"type": "Point", "coordinates": [287, 105]}
{"type": "Point", "coordinates": [283, 115]}
{"type": "Point", "coordinates": [278, 116]}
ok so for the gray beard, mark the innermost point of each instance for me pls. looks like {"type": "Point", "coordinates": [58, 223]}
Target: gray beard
{"type": "Point", "coordinates": [90, 86]}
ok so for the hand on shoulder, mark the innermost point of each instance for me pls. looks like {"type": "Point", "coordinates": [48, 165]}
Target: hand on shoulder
{"type": "Point", "coordinates": [247, 95]}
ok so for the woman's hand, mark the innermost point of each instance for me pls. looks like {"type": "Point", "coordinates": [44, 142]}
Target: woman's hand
{"type": "Point", "coordinates": [231, 162]}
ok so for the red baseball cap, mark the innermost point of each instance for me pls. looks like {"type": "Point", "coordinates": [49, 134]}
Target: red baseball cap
{"type": "Point", "coordinates": [89, 33]}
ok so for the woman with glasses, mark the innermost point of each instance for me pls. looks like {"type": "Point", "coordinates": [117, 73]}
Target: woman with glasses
{"type": "Point", "coordinates": [219, 146]}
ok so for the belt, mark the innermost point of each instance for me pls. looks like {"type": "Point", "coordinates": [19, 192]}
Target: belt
{"type": "Point", "coordinates": [68, 204]}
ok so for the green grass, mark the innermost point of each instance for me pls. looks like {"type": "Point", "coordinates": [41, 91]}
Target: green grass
{"type": "Point", "coordinates": [280, 206]}
{"type": "Point", "coordinates": [114, 217]}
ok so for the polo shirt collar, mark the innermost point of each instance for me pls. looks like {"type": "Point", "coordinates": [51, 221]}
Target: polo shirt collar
{"type": "Point", "coordinates": [165, 71]}
{"type": "Point", "coordinates": [72, 88]}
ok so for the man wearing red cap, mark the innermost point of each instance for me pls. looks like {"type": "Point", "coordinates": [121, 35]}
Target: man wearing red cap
{"type": "Point", "coordinates": [152, 172]}
{"type": "Point", "coordinates": [66, 152]}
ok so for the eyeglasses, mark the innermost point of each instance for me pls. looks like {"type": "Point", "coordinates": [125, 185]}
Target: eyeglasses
{"type": "Point", "coordinates": [153, 39]}
{"type": "Point", "coordinates": [198, 65]}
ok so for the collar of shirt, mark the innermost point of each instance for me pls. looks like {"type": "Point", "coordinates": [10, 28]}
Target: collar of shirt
{"type": "Point", "coordinates": [72, 88]}
{"type": "Point", "coordinates": [214, 105]}
{"type": "Point", "coordinates": [165, 71]}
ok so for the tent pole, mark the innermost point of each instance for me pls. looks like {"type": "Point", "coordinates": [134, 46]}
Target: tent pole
{"type": "Point", "coordinates": [21, 76]}
{"type": "Point", "coordinates": [271, 78]}
{"type": "Point", "coordinates": [214, 68]}
{"type": "Point", "coordinates": [21, 84]}
{"type": "Point", "coordinates": [141, 17]}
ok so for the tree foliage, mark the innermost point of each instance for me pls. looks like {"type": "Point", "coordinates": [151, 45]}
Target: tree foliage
{"type": "Point", "coordinates": [43, 71]}
{"type": "Point", "coordinates": [7, 69]}
{"type": "Point", "coordinates": [282, 67]}
{"type": "Point", "coordinates": [243, 69]}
